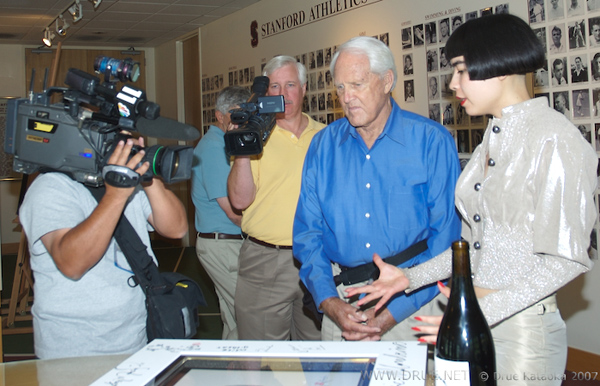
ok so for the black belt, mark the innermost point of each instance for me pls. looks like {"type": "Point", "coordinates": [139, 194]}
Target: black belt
{"type": "Point", "coordinates": [368, 271]}
{"type": "Point", "coordinates": [268, 245]}
{"type": "Point", "coordinates": [219, 236]}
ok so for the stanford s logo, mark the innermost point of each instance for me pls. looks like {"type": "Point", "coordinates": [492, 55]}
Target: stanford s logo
{"type": "Point", "coordinates": [254, 34]}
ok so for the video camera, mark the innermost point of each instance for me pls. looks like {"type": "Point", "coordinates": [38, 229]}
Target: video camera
{"type": "Point", "coordinates": [257, 119]}
{"type": "Point", "coordinates": [77, 136]}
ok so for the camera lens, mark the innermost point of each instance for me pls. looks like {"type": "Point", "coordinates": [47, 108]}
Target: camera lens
{"type": "Point", "coordinates": [247, 139]}
{"type": "Point", "coordinates": [124, 70]}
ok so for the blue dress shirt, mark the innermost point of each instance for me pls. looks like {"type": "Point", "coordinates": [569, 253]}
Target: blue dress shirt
{"type": "Point", "coordinates": [356, 201]}
{"type": "Point", "coordinates": [210, 169]}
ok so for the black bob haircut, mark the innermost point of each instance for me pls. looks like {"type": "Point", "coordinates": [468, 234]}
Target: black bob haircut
{"type": "Point", "coordinates": [496, 45]}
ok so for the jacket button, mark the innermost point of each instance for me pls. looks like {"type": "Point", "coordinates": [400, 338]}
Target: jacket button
{"type": "Point", "coordinates": [491, 162]}
{"type": "Point", "coordinates": [496, 129]}
{"type": "Point", "coordinates": [476, 245]}
{"type": "Point", "coordinates": [477, 218]}
{"type": "Point", "coordinates": [477, 187]}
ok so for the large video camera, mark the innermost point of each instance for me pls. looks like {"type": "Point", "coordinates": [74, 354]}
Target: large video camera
{"type": "Point", "coordinates": [78, 135]}
{"type": "Point", "coordinates": [256, 118]}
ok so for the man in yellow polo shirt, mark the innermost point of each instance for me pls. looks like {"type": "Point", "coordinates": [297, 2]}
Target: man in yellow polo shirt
{"type": "Point", "coordinates": [268, 298]}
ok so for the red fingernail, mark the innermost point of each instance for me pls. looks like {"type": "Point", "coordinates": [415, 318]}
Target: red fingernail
{"type": "Point", "coordinates": [418, 318]}
{"type": "Point", "coordinates": [441, 284]}
{"type": "Point", "coordinates": [416, 329]}
{"type": "Point", "coordinates": [422, 340]}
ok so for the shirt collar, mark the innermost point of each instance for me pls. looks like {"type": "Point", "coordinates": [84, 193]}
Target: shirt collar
{"type": "Point", "coordinates": [311, 126]}
{"type": "Point", "coordinates": [392, 129]}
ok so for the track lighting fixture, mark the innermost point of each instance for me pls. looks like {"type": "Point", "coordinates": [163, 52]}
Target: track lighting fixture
{"type": "Point", "coordinates": [62, 29]}
{"type": "Point", "coordinates": [96, 3]}
{"type": "Point", "coordinates": [48, 36]}
{"type": "Point", "coordinates": [76, 11]}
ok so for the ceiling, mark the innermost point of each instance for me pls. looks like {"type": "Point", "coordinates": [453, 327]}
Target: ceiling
{"type": "Point", "coordinates": [119, 23]}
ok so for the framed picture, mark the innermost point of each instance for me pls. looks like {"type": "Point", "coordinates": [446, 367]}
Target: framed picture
{"type": "Point", "coordinates": [220, 363]}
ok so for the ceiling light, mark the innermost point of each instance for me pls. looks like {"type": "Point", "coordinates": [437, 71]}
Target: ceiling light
{"type": "Point", "coordinates": [76, 10]}
{"type": "Point", "coordinates": [62, 30]}
{"type": "Point", "coordinates": [48, 36]}
{"type": "Point", "coordinates": [96, 3]}
{"type": "Point", "coordinates": [130, 51]}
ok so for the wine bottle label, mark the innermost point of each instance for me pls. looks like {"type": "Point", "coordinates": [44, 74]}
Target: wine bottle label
{"type": "Point", "coordinates": [451, 373]}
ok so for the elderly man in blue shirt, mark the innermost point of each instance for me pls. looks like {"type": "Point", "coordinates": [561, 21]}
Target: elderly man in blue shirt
{"type": "Point", "coordinates": [381, 180]}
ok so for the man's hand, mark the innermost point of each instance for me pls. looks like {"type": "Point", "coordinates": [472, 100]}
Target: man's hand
{"type": "Point", "coordinates": [348, 318]}
{"type": "Point", "coordinates": [383, 321]}
{"type": "Point", "coordinates": [391, 281]}
{"type": "Point", "coordinates": [120, 157]}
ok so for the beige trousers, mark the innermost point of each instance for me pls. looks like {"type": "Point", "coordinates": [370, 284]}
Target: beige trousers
{"type": "Point", "coordinates": [268, 297]}
{"type": "Point", "coordinates": [220, 261]}
{"type": "Point", "coordinates": [531, 346]}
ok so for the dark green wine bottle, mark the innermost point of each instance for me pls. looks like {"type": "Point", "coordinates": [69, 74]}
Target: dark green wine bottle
{"type": "Point", "coordinates": [465, 349]}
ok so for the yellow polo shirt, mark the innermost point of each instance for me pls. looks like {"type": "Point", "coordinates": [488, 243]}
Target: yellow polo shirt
{"type": "Point", "coordinates": [277, 175]}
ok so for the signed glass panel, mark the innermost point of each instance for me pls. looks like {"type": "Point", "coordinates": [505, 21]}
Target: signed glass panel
{"type": "Point", "coordinates": [230, 371]}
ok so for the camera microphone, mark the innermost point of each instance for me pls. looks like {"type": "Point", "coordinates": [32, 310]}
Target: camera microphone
{"type": "Point", "coordinates": [259, 88]}
{"type": "Point", "coordinates": [166, 128]}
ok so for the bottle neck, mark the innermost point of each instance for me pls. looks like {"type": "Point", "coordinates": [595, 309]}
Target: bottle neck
{"type": "Point", "coordinates": [461, 269]}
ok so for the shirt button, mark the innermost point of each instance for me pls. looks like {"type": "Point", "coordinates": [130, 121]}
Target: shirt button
{"type": "Point", "coordinates": [477, 245]}
{"type": "Point", "coordinates": [368, 245]}
{"type": "Point", "coordinates": [368, 186]}
{"type": "Point", "coordinates": [496, 129]}
{"type": "Point", "coordinates": [491, 162]}
{"type": "Point", "coordinates": [367, 215]}
{"type": "Point", "coordinates": [477, 187]}
{"type": "Point", "coordinates": [368, 156]}
{"type": "Point", "coordinates": [477, 218]}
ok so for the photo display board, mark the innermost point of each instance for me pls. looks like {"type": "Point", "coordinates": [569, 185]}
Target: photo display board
{"type": "Point", "coordinates": [311, 31]}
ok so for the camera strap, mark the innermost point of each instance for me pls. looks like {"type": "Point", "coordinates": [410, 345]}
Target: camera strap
{"type": "Point", "coordinates": [368, 271]}
{"type": "Point", "coordinates": [145, 270]}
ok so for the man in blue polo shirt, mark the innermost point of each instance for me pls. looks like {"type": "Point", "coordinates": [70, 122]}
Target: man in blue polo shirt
{"type": "Point", "coordinates": [381, 180]}
{"type": "Point", "coordinates": [219, 235]}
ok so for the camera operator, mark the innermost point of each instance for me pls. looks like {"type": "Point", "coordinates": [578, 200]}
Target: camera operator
{"type": "Point", "coordinates": [219, 237]}
{"type": "Point", "coordinates": [84, 302]}
{"type": "Point", "coordinates": [268, 298]}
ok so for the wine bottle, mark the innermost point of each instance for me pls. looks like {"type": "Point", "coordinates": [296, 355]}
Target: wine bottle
{"type": "Point", "coordinates": [465, 349]}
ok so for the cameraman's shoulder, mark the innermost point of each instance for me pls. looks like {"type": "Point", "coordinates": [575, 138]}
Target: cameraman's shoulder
{"type": "Point", "coordinates": [51, 180]}
{"type": "Point", "coordinates": [55, 185]}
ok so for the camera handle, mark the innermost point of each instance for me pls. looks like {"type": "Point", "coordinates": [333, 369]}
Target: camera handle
{"type": "Point", "coordinates": [120, 176]}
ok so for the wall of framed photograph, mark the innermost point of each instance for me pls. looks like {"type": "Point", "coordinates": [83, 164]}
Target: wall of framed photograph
{"type": "Point", "coordinates": [416, 33]}
{"type": "Point", "coordinates": [570, 78]}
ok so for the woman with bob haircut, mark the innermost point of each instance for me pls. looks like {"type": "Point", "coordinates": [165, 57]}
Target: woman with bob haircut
{"type": "Point", "coordinates": [526, 198]}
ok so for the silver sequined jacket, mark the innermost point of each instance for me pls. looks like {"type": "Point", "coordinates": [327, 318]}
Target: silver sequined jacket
{"type": "Point", "coordinates": [527, 202]}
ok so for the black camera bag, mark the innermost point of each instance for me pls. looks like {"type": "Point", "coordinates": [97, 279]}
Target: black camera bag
{"type": "Point", "coordinates": [172, 299]}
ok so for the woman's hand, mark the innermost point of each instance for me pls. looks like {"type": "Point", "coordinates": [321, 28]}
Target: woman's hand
{"type": "Point", "coordinates": [391, 281]}
{"type": "Point", "coordinates": [433, 322]}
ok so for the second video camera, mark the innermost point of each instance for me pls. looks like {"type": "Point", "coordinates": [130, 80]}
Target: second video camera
{"type": "Point", "coordinates": [256, 118]}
